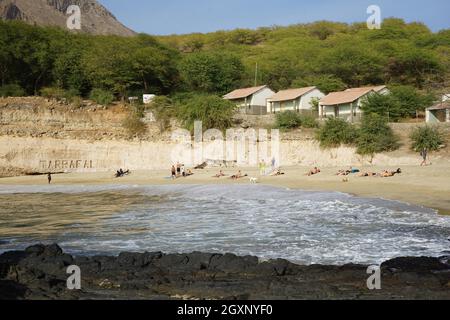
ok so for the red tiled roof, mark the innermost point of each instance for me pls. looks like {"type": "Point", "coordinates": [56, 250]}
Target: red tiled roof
{"type": "Point", "coordinates": [441, 106]}
{"type": "Point", "coordinates": [243, 93]}
{"type": "Point", "coordinates": [374, 88]}
{"type": "Point", "coordinates": [290, 94]}
{"type": "Point", "coordinates": [344, 97]}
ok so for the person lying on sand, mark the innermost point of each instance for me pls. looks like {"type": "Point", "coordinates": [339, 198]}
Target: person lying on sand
{"type": "Point", "coordinates": [343, 173]}
{"type": "Point", "coordinates": [219, 175]}
{"type": "Point", "coordinates": [388, 174]}
{"type": "Point", "coordinates": [238, 176]}
{"type": "Point", "coordinates": [367, 174]}
{"type": "Point", "coordinates": [347, 172]}
{"type": "Point", "coordinates": [189, 173]}
{"type": "Point", "coordinates": [313, 172]}
{"type": "Point", "coordinates": [277, 173]}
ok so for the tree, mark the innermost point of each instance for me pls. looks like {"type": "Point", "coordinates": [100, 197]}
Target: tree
{"type": "Point", "coordinates": [426, 138]}
{"type": "Point", "coordinates": [213, 111]}
{"type": "Point", "coordinates": [211, 72]}
{"type": "Point", "coordinates": [383, 105]}
{"type": "Point", "coordinates": [402, 102]}
{"type": "Point", "coordinates": [411, 100]}
{"type": "Point", "coordinates": [337, 132]}
{"type": "Point", "coordinates": [325, 83]}
{"type": "Point", "coordinates": [375, 136]}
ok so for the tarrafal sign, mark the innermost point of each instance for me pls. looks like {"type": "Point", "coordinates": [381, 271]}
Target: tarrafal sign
{"type": "Point", "coordinates": [66, 164]}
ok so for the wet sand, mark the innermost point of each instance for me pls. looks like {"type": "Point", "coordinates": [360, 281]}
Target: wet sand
{"type": "Point", "coordinates": [424, 186]}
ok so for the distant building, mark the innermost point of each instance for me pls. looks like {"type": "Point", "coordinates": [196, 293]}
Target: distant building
{"type": "Point", "coordinates": [347, 104]}
{"type": "Point", "coordinates": [446, 97]}
{"type": "Point", "coordinates": [299, 100]}
{"type": "Point", "coordinates": [439, 112]}
{"type": "Point", "coordinates": [251, 100]}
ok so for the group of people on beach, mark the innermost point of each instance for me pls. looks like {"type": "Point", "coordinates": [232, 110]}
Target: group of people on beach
{"type": "Point", "coordinates": [351, 170]}
{"type": "Point", "coordinates": [120, 173]}
{"type": "Point", "coordinates": [179, 170]}
{"type": "Point", "coordinates": [263, 167]}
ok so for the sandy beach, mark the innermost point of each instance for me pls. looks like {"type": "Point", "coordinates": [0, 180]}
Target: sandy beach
{"type": "Point", "coordinates": [424, 186]}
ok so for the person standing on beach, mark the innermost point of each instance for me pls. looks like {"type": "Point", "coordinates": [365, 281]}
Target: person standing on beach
{"type": "Point", "coordinates": [424, 154]}
{"type": "Point", "coordinates": [49, 177]}
{"type": "Point", "coordinates": [178, 169]}
{"type": "Point", "coordinates": [174, 173]}
{"type": "Point", "coordinates": [273, 164]}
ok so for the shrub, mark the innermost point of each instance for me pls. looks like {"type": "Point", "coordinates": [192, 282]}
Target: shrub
{"type": "Point", "coordinates": [53, 93]}
{"type": "Point", "coordinates": [429, 138]}
{"type": "Point", "coordinates": [292, 120]}
{"type": "Point", "coordinates": [162, 108]}
{"type": "Point", "coordinates": [102, 97]}
{"type": "Point", "coordinates": [309, 121]}
{"type": "Point", "coordinates": [337, 132]}
{"type": "Point", "coordinates": [11, 90]}
{"type": "Point", "coordinates": [76, 101]}
{"type": "Point", "coordinates": [375, 136]}
{"type": "Point", "coordinates": [213, 111]}
{"type": "Point", "coordinates": [288, 120]}
{"type": "Point", "coordinates": [134, 125]}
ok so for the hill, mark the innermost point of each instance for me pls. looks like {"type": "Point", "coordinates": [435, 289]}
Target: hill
{"type": "Point", "coordinates": [96, 19]}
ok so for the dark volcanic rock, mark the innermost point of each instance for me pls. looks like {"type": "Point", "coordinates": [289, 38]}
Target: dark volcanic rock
{"type": "Point", "coordinates": [39, 272]}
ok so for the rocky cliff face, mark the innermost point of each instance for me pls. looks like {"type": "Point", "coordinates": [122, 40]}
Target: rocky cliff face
{"type": "Point", "coordinates": [95, 18]}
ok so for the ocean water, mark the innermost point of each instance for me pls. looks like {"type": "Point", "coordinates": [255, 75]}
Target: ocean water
{"type": "Point", "coordinates": [268, 222]}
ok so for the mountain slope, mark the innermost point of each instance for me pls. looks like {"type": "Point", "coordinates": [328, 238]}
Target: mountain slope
{"type": "Point", "coordinates": [95, 18]}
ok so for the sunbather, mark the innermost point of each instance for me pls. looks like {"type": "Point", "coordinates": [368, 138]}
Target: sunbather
{"type": "Point", "coordinates": [219, 175]}
{"type": "Point", "coordinates": [238, 176]}
{"type": "Point", "coordinates": [277, 173]}
{"type": "Point", "coordinates": [313, 172]}
{"type": "Point", "coordinates": [367, 174]}
{"type": "Point", "coordinates": [388, 174]}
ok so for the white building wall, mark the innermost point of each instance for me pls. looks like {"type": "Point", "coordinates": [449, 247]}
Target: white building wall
{"type": "Point", "coordinates": [260, 98]}
{"type": "Point", "coordinates": [306, 100]}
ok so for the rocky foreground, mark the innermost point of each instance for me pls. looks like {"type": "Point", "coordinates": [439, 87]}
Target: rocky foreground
{"type": "Point", "coordinates": [39, 272]}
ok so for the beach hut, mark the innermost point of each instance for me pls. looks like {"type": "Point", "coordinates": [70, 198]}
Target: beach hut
{"type": "Point", "coordinates": [439, 113]}
{"type": "Point", "coordinates": [300, 100]}
{"type": "Point", "coordinates": [252, 100]}
{"type": "Point", "coordinates": [347, 104]}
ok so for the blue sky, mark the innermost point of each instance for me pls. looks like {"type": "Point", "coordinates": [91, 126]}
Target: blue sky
{"type": "Point", "coordinates": [186, 16]}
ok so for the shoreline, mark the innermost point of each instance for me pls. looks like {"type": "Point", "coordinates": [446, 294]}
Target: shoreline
{"type": "Point", "coordinates": [427, 187]}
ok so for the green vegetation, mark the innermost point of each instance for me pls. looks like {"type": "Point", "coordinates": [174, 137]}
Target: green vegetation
{"type": "Point", "coordinates": [102, 97]}
{"type": "Point", "coordinates": [11, 90]}
{"type": "Point", "coordinates": [332, 56]}
{"type": "Point", "coordinates": [337, 132]}
{"type": "Point", "coordinates": [213, 111]}
{"type": "Point", "coordinates": [402, 102]}
{"type": "Point", "coordinates": [427, 138]}
{"type": "Point", "coordinates": [292, 120]}
{"type": "Point", "coordinates": [134, 125]}
{"type": "Point", "coordinates": [211, 72]}
{"type": "Point", "coordinates": [191, 72]}
{"type": "Point", "coordinates": [43, 57]}
{"type": "Point", "coordinates": [375, 136]}
{"type": "Point", "coordinates": [163, 109]}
